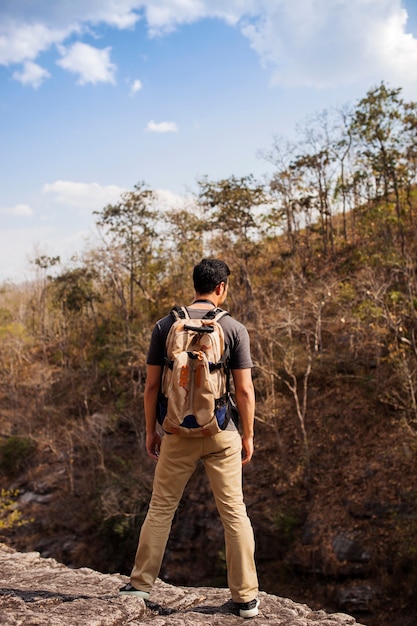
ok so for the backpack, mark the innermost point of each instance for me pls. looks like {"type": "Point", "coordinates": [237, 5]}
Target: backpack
{"type": "Point", "coordinates": [194, 396]}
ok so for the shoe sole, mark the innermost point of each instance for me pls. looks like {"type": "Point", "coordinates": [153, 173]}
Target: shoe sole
{"type": "Point", "coordinates": [138, 594]}
{"type": "Point", "coordinates": [246, 613]}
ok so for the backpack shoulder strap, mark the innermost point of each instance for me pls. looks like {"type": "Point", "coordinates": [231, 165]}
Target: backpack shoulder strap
{"type": "Point", "coordinates": [177, 313]}
{"type": "Point", "coordinates": [215, 314]}
{"type": "Point", "coordinates": [180, 313]}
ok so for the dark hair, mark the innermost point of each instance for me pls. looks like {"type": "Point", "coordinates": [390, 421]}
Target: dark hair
{"type": "Point", "coordinates": [208, 274]}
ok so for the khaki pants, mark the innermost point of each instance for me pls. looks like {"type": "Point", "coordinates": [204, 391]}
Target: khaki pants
{"type": "Point", "coordinates": [221, 455]}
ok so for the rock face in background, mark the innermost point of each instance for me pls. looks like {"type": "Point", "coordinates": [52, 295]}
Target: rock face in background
{"type": "Point", "coordinates": [37, 592]}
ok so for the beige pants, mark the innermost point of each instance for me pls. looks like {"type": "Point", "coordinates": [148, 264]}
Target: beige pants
{"type": "Point", "coordinates": [221, 455]}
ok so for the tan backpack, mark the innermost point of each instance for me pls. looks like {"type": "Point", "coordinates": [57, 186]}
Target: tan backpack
{"type": "Point", "coordinates": [195, 380]}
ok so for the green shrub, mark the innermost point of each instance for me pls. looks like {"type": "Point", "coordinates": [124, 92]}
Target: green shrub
{"type": "Point", "coordinates": [286, 524]}
{"type": "Point", "coordinates": [14, 452]}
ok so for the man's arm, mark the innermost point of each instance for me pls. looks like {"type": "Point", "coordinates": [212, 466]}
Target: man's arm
{"type": "Point", "coordinates": [153, 381]}
{"type": "Point", "coordinates": [245, 399]}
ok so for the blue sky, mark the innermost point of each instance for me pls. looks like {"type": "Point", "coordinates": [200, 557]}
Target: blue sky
{"type": "Point", "coordinates": [97, 95]}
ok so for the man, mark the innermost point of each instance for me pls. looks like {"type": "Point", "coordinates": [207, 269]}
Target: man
{"type": "Point", "coordinates": [221, 454]}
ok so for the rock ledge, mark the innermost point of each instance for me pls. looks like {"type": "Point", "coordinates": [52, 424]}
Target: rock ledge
{"type": "Point", "coordinates": [35, 591]}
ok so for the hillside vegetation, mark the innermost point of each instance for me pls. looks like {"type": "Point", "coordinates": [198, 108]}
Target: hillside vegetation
{"type": "Point", "coordinates": [324, 259]}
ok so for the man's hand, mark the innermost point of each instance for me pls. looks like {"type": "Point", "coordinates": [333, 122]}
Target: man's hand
{"type": "Point", "coordinates": [153, 445]}
{"type": "Point", "coordinates": [247, 447]}
{"type": "Point", "coordinates": [150, 397]}
{"type": "Point", "coordinates": [245, 399]}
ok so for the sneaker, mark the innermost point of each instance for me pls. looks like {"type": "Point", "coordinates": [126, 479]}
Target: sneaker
{"type": "Point", "coordinates": [248, 609]}
{"type": "Point", "coordinates": [130, 590]}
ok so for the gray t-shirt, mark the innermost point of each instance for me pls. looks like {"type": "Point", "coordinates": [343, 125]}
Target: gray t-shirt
{"type": "Point", "coordinates": [236, 339]}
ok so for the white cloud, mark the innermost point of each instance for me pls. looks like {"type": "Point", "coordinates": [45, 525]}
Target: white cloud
{"type": "Point", "coordinates": [136, 86]}
{"type": "Point", "coordinates": [120, 14]}
{"type": "Point", "coordinates": [162, 127]}
{"type": "Point", "coordinates": [169, 200]}
{"type": "Point", "coordinates": [393, 49]}
{"type": "Point", "coordinates": [16, 246]}
{"type": "Point", "coordinates": [301, 42]}
{"type": "Point", "coordinates": [19, 248]}
{"type": "Point", "coordinates": [333, 42]}
{"type": "Point", "coordinates": [90, 196]}
{"type": "Point", "coordinates": [164, 17]}
{"type": "Point", "coordinates": [22, 41]}
{"type": "Point", "coordinates": [19, 210]}
{"type": "Point", "coordinates": [91, 64]}
{"type": "Point", "coordinates": [32, 74]}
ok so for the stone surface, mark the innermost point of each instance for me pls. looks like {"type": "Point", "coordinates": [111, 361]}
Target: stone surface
{"type": "Point", "coordinates": [35, 591]}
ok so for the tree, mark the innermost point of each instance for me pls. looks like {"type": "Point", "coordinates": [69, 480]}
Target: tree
{"type": "Point", "coordinates": [183, 248]}
{"type": "Point", "coordinates": [43, 262]}
{"type": "Point", "coordinates": [316, 166]}
{"type": "Point", "coordinates": [392, 294]}
{"type": "Point", "coordinates": [323, 148]}
{"type": "Point", "coordinates": [378, 127]}
{"type": "Point", "coordinates": [285, 187]}
{"type": "Point", "coordinates": [409, 168]}
{"type": "Point", "coordinates": [288, 345]}
{"type": "Point", "coordinates": [341, 148]}
{"type": "Point", "coordinates": [231, 205]}
{"type": "Point", "coordinates": [130, 226]}
{"type": "Point", "coordinates": [75, 291]}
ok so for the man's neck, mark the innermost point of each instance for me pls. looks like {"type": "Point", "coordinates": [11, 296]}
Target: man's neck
{"type": "Point", "coordinates": [205, 301]}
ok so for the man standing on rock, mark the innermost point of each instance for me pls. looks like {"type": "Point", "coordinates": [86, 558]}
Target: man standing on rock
{"type": "Point", "coordinates": [222, 454]}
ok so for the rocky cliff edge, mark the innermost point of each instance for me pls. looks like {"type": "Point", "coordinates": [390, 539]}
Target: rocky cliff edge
{"type": "Point", "coordinates": [35, 591]}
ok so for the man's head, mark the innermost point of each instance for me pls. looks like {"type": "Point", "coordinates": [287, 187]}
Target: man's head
{"type": "Point", "coordinates": [209, 274]}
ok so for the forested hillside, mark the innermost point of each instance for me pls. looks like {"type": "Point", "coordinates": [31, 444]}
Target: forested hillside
{"type": "Point", "coordinates": [324, 259]}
